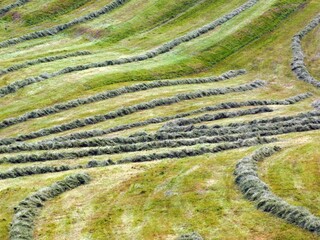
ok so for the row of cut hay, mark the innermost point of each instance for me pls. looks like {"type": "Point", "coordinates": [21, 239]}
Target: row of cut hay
{"type": "Point", "coordinates": [218, 130]}
{"type": "Point", "coordinates": [173, 154]}
{"type": "Point", "coordinates": [212, 117]}
{"type": "Point", "coordinates": [155, 143]}
{"type": "Point", "coordinates": [13, 87]}
{"type": "Point", "coordinates": [105, 141]}
{"type": "Point", "coordinates": [168, 140]}
{"type": "Point", "coordinates": [35, 170]}
{"type": "Point", "coordinates": [222, 106]}
{"type": "Point", "coordinates": [260, 122]}
{"type": "Point", "coordinates": [296, 125]}
{"type": "Point", "coordinates": [299, 123]}
{"type": "Point", "coordinates": [200, 151]}
{"type": "Point", "coordinates": [117, 149]}
{"type": "Point", "coordinates": [254, 189]}
{"type": "Point", "coordinates": [11, 6]}
{"type": "Point", "coordinates": [56, 29]}
{"type": "Point", "coordinates": [27, 64]}
{"type": "Point", "coordinates": [27, 210]}
{"type": "Point", "coordinates": [135, 108]}
{"type": "Point", "coordinates": [60, 107]}
{"type": "Point", "coordinates": [228, 105]}
{"type": "Point", "coordinates": [298, 66]}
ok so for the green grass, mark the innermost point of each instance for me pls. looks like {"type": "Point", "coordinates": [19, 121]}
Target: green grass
{"type": "Point", "coordinates": [53, 10]}
{"type": "Point", "coordinates": [162, 200]}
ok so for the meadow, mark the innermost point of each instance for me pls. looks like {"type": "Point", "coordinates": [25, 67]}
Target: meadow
{"type": "Point", "coordinates": [134, 119]}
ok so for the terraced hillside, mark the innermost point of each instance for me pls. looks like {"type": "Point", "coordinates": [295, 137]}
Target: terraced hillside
{"type": "Point", "coordinates": [135, 119]}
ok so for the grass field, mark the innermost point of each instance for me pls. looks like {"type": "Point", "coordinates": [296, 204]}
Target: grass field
{"type": "Point", "coordinates": [173, 145]}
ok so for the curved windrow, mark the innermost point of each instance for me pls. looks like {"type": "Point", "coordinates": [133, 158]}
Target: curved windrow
{"type": "Point", "coordinates": [27, 210]}
{"type": "Point", "coordinates": [254, 189]}
{"type": "Point", "coordinates": [298, 66]}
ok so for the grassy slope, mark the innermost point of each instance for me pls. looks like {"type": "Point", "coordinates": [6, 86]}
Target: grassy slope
{"type": "Point", "coordinates": [163, 200]}
{"type": "Point", "coordinates": [312, 52]}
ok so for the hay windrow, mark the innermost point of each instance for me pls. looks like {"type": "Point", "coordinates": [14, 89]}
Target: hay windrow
{"type": "Point", "coordinates": [28, 209]}
{"type": "Point", "coordinates": [254, 189]}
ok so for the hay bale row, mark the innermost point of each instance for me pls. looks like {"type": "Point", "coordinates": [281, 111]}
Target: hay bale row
{"type": "Point", "coordinates": [316, 104]}
{"type": "Point", "coordinates": [26, 64]}
{"type": "Point", "coordinates": [135, 108]}
{"type": "Point", "coordinates": [222, 106]}
{"type": "Point", "coordinates": [107, 141]}
{"type": "Point", "coordinates": [241, 126]}
{"type": "Point", "coordinates": [304, 126]}
{"type": "Point", "coordinates": [274, 131]}
{"type": "Point", "coordinates": [13, 87]}
{"type": "Point", "coordinates": [125, 144]}
{"type": "Point", "coordinates": [254, 189]}
{"type": "Point", "coordinates": [198, 32]}
{"type": "Point", "coordinates": [9, 7]}
{"type": "Point", "coordinates": [152, 145]}
{"type": "Point", "coordinates": [28, 209]}
{"type": "Point", "coordinates": [115, 93]}
{"type": "Point", "coordinates": [174, 125]}
{"type": "Point", "coordinates": [117, 3]}
{"type": "Point", "coordinates": [298, 66]}
{"type": "Point", "coordinates": [56, 29]}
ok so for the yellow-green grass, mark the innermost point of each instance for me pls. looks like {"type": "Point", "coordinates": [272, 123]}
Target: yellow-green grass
{"type": "Point", "coordinates": [312, 52]}
{"type": "Point", "coordinates": [164, 199]}
{"type": "Point", "coordinates": [57, 82]}
{"type": "Point", "coordinates": [103, 107]}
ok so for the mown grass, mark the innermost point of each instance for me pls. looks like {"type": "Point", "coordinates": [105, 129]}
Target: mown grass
{"type": "Point", "coordinates": [186, 66]}
{"type": "Point", "coordinates": [311, 46]}
{"type": "Point", "coordinates": [168, 199]}
{"type": "Point", "coordinates": [52, 10]}
{"type": "Point", "coordinates": [162, 200]}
